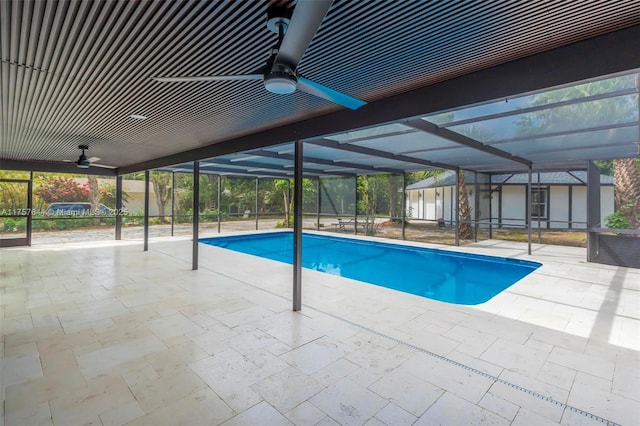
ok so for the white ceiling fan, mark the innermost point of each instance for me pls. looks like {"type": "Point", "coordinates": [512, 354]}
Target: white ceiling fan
{"type": "Point", "coordinates": [280, 74]}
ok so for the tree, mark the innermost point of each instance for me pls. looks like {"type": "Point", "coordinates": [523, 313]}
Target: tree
{"type": "Point", "coordinates": [162, 189]}
{"type": "Point", "coordinates": [94, 195]}
{"type": "Point", "coordinates": [465, 231]}
{"type": "Point", "coordinates": [627, 189]}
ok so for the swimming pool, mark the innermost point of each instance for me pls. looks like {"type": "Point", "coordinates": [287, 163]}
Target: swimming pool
{"type": "Point", "coordinates": [442, 275]}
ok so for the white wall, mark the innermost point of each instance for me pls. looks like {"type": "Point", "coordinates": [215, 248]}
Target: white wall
{"type": "Point", "coordinates": [607, 202]}
{"type": "Point", "coordinates": [558, 207]}
{"type": "Point", "coordinates": [426, 205]}
{"type": "Point", "coordinates": [514, 206]}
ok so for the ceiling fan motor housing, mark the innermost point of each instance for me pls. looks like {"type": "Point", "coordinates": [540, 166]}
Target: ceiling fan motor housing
{"type": "Point", "coordinates": [83, 161]}
{"type": "Point", "coordinates": [281, 80]}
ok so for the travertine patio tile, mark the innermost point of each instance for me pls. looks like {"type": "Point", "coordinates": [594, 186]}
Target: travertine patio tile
{"type": "Point", "coordinates": [348, 403]}
{"type": "Point", "coordinates": [557, 375]}
{"type": "Point", "coordinates": [21, 396]}
{"type": "Point", "coordinates": [316, 355]}
{"type": "Point", "coordinates": [155, 393]}
{"type": "Point", "coordinates": [92, 363]}
{"type": "Point", "coordinates": [391, 414]}
{"type": "Point", "coordinates": [449, 377]}
{"type": "Point", "coordinates": [534, 385]}
{"type": "Point", "coordinates": [203, 407]}
{"type": "Point", "coordinates": [287, 388]}
{"type": "Point", "coordinates": [21, 368]}
{"type": "Point", "coordinates": [581, 362]}
{"type": "Point", "coordinates": [32, 414]}
{"type": "Point", "coordinates": [122, 415]}
{"type": "Point", "coordinates": [401, 388]}
{"type": "Point", "coordinates": [261, 413]}
{"type": "Point", "coordinates": [472, 341]}
{"type": "Point", "coordinates": [526, 401]}
{"type": "Point", "coordinates": [336, 370]}
{"type": "Point", "coordinates": [592, 394]}
{"type": "Point", "coordinates": [528, 418]}
{"type": "Point", "coordinates": [626, 379]}
{"type": "Point", "coordinates": [515, 357]}
{"type": "Point", "coordinates": [85, 405]}
{"type": "Point", "coordinates": [174, 325]}
{"type": "Point", "coordinates": [305, 414]}
{"type": "Point", "coordinates": [499, 406]}
{"type": "Point", "coordinates": [379, 360]}
{"type": "Point", "coordinates": [452, 410]}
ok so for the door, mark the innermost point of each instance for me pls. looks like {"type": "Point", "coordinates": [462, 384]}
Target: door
{"type": "Point", "coordinates": [15, 212]}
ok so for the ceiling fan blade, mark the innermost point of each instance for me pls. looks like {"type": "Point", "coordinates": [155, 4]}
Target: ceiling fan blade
{"type": "Point", "coordinates": [209, 78]}
{"type": "Point", "coordinates": [92, 159]}
{"type": "Point", "coordinates": [324, 92]}
{"type": "Point", "coordinates": [104, 166]}
{"type": "Point", "coordinates": [306, 19]}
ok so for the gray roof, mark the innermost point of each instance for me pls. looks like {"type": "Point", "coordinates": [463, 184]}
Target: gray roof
{"type": "Point", "coordinates": [448, 178]}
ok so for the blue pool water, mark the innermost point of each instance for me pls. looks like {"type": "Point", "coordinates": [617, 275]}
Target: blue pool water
{"type": "Point", "coordinates": [460, 278]}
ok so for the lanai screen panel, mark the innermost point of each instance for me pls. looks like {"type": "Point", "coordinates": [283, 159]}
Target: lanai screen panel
{"type": "Point", "coordinates": [586, 121]}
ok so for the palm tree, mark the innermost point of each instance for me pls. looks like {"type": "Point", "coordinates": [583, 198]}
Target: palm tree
{"type": "Point", "coordinates": [627, 189]}
{"type": "Point", "coordinates": [465, 231]}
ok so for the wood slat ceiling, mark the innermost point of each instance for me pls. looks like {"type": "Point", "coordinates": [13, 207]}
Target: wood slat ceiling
{"type": "Point", "coordinates": [74, 71]}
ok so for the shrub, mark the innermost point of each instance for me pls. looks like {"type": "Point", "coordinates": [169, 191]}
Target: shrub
{"type": "Point", "coordinates": [617, 221]}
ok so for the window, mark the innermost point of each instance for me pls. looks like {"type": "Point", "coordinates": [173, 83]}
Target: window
{"type": "Point", "coordinates": [539, 202]}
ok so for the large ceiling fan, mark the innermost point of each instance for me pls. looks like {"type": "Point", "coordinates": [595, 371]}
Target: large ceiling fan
{"type": "Point", "coordinates": [83, 162]}
{"type": "Point", "coordinates": [279, 75]}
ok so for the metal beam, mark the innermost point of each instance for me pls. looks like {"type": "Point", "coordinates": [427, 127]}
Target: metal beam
{"type": "Point", "coordinates": [593, 210]}
{"type": "Point", "coordinates": [528, 213]}
{"type": "Point", "coordinates": [240, 172]}
{"type": "Point", "coordinates": [404, 204]}
{"type": "Point", "coordinates": [256, 200]}
{"type": "Point", "coordinates": [315, 160]}
{"type": "Point", "coordinates": [256, 164]}
{"type": "Point", "coordinates": [119, 211]}
{"type": "Point", "coordinates": [458, 138]}
{"type": "Point", "coordinates": [173, 200]}
{"type": "Point", "coordinates": [146, 210]}
{"type": "Point", "coordinates": [196, 214]}
{"type": "Point", "coordinates": [297, 227]}
{"type": "Point", "coordinates": [576, 177]}
{"type": "Point", "coordinates": [218, 201]}
{"type": "Point", "coordinates": [379, 153]}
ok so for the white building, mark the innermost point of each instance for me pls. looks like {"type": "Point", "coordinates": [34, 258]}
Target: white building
{"type": "Point", "coordinates": [559, 202]}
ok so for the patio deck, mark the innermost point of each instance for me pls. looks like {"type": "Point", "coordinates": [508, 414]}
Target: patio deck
{"type": "Point", "coordinates": [104, 333]}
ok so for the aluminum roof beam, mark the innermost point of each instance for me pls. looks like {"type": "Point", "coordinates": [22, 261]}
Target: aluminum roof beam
{"type": "Point", "coordinates": [326, 162]}
{"type": "Point", "coordinates": [241, 172]}
{"type": "Point", "coordinates": [256, 164]}
{"type": "Point", "coordinates": [379, 153]}
{"type": "Point", "coordinates": [452, 136]}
